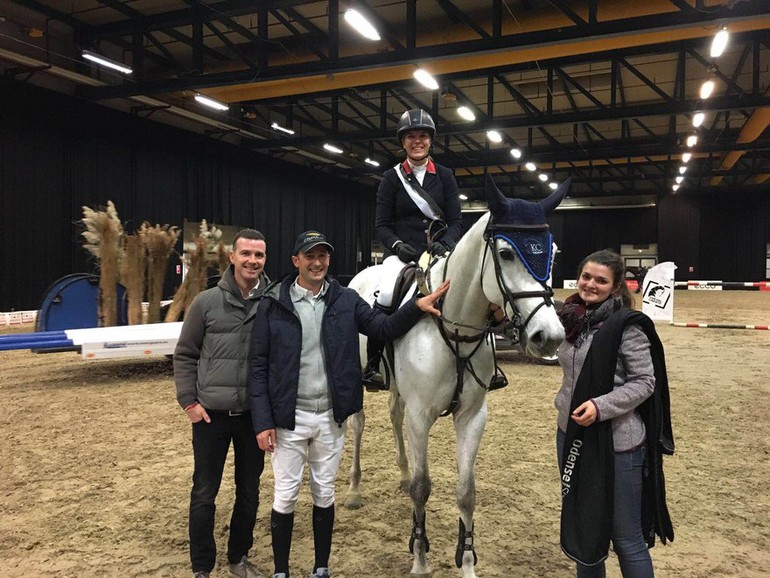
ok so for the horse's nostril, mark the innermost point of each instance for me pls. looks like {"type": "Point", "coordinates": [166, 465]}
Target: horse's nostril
{"type": "Point", "coordinates": [538, 338]}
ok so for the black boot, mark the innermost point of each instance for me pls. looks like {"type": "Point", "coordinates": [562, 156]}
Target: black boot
{"type": "Point", "coordinates": [323, 526]}
{"type": "Point", "coordinates": [373, 380]}
{"type": "Point", "coordinates": [281, 527]}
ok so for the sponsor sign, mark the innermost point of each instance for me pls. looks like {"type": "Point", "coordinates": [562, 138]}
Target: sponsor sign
{"type": "Point", "coordinates": [658, 292]}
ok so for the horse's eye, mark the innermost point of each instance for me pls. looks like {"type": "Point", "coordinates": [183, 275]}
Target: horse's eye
{"type": "Point", "coordinates": [506, 254]}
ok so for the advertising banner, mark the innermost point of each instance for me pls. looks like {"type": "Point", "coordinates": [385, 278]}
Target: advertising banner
{"type": "Point", "coordinates": [658, 292]}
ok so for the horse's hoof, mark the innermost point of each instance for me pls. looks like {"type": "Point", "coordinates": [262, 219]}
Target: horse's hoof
{"type": "Point", "coordinates": [404, 486]}
{"type": "Point", "coordinates": [353, 502]}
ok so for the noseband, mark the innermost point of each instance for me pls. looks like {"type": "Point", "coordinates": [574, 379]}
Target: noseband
{"type": "Point", "coordinates": [496, 231]}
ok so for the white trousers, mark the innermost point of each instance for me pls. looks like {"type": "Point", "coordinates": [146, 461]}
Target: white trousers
{"type": "Point", "coordinates": [391, 267]}
{"type": "Point", "coordinates": [317, 440]}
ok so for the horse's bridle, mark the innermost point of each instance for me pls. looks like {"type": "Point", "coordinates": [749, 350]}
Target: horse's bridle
{"type": "Point", "coordinates": [496, 231]}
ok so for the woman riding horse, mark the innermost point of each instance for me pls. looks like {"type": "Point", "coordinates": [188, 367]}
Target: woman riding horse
{"type": "Point", "coordinates": [418, 209]}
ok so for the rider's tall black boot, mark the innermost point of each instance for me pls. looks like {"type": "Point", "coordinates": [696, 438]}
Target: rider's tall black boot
{"type": "Point", "coordinates": [373, 380]}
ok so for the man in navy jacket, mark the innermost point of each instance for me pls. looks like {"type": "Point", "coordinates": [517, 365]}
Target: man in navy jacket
{"type": "Point", "coordinates": [305, 381]}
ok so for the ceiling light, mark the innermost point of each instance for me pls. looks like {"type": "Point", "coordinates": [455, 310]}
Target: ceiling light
{"type": "Point", "coordinates": [98, 59]}
{"type": "Point", "coordinates": [719, 43]}
{"type": "Point", "coordinates": [278, 127]}
{"type": "Point", "coordinates": [682, 170]}
{"type": "Point", "coordinates": [494, 136]}
{"type": "Point", "coordinates": [333, 149]}
{"type": "Point", "coordinates": [211, 102]}
{"type": "Point", "coordinates": [698, 119]}
{"type": "Point", "coordinates": [425, 79]}
{"type": "Point", "coordinates": [516, 153]}
{"type": "Point", "coordinates": [706, 89]}
{"type": "Point", "coordinates": [463, 197]}
{"type": "Point", "coordinates": [686, 157]}
{"type": "Point", "coordinates": [531, 166]}
{"type": "Point", "coordinates": [553, 186]}
{"type": "Point", "coordinates": [466, 113]}
{"type": "Point", "coordinates": [361, 24]}
{"type": "Point", "coordinates": [372, 162]}
{"type": "Point", "coordinates": [675, 188]}
{"type": "Point", "coordinates": [692, 140]}
{"type": "Point", "coordinates": [543, 177]}
{"type": "Point", "coordinates": [679, 179]}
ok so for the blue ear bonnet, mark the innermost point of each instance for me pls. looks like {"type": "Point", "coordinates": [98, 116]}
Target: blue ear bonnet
{"type": "Point", "coordinates": [534, 248]}
{"type": "Point", "coordinates": [522, 225]}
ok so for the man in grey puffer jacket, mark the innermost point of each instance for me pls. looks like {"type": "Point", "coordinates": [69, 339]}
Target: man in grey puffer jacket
{"type": "Point", "coordinates": [210, 371]}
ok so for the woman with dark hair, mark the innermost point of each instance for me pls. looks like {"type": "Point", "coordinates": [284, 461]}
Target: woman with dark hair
{"type": "Point", "coordinates": [613, 424]}
{"type": "Point", "coordinates": [418, 210]}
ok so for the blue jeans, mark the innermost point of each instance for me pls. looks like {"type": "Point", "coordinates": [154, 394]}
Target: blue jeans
{"type": "Point", "coordinates": [211, 442]}
{"type": "Point", "coordinates": [627, 537]}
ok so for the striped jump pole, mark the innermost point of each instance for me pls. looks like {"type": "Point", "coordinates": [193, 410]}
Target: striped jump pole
{"type": "Point", "coordinates": [724, 285]}
{"type": "Point", "coordinates": [720, 326]}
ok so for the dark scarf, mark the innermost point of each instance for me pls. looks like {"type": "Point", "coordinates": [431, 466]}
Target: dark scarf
{"type": "Point", "coordinates": [588, 458]}
{"type": "Point", "coordinates": [578, 318]}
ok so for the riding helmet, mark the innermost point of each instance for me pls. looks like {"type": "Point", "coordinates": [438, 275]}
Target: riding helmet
{"type": "Point", "coordinates": [414, 119]}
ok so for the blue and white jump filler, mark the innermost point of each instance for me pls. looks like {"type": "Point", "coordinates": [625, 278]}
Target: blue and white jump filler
{"type": "Point", "coordinates": [445, 365]}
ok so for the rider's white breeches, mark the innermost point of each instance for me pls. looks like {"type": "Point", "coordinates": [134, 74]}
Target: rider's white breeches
{"type": "Point", "coordinates": [391, 267]}
{"type": "Point", "coordinates": [316, 440]}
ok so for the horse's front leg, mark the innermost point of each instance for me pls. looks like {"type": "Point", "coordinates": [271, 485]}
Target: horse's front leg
{"type": "Point", "coordinates": [418, 428]}
{"type": "Point", "coordinates": [469, 427]}
{"type": "Point", "coordinates": [396, 404]}
{"type": "Point", "coordinates": [356, 431]}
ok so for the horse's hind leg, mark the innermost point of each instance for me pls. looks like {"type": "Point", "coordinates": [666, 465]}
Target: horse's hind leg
{"type": "Point", "coordinates": [469, 427]}
{"type": "Point", "coordinates": [396, 404]}
{"type": "Point", "coordinates": [418, 427]}
{"type": "Point", "coordinates": [356, 430]}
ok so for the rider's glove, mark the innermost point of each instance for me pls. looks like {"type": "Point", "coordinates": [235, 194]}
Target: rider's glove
{"type": "Point", "coordinates": [406, 252]}
{"type": "Point", "coordinates": [437, 248]}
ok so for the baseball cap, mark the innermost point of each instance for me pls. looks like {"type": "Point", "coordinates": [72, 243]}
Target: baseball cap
{"type": "Point", "coordinates": [310, 239]}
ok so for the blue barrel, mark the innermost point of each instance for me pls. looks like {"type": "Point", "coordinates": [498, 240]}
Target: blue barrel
{"type": "Point", "coordinates": [72, 302]}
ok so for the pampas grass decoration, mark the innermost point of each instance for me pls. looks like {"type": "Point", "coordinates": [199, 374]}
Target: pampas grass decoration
{"type": "Point", "coordinates": [103, 232]}
{"type": "Point", "coordinates": [132, 272]}
{"type": "Point", "coordinates": [159, 242]}
{"type": "Point", "coordinates": [206, 251]}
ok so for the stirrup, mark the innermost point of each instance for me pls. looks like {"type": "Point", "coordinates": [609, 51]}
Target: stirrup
{"type": "Point", "coordinates": [374, 381]}
{"type": "Point", "coordinates": [498, 381]}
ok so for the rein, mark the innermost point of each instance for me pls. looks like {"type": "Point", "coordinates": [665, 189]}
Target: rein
{"type": "Point", "coordinates": [453, 341]}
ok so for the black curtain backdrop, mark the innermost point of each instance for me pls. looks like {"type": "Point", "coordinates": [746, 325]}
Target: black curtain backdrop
{"type": "Point", "coordinates": [60, 153]}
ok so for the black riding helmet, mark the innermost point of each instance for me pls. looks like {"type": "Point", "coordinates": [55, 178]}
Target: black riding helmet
{"type": "Point", "coordinates": [415, 119]}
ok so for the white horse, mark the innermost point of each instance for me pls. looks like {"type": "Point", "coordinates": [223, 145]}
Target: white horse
{"type": "Point", "coordinates": [504, 259]}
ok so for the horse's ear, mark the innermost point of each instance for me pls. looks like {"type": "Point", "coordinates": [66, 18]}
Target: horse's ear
{"type": "Point", "coordinates": [552, 201]}
{"type": "Point", "coordinates": [496, 200]}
